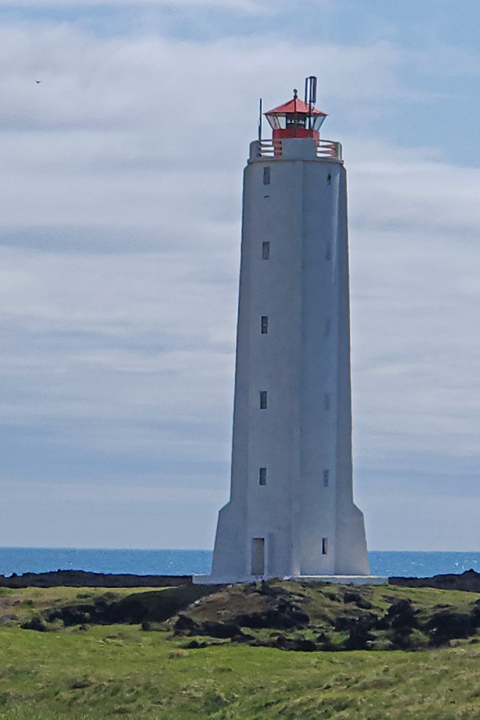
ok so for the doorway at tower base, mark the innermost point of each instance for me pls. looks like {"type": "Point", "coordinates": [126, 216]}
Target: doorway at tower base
{"type": "Point", "coordinates": [333, 579]}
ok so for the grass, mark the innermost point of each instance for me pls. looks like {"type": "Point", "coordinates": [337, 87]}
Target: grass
{"type": "Point", "coordinates": [120, 670]}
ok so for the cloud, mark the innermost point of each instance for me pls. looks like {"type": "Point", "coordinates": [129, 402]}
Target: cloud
{"type": "Point", "coordinates": [431, 522]}
{"type": "Point", "coordinates": [101, 515]}
{"type": "Point", "coordinates": [250, 7]}
{"type": "Point", "coordinates": [119, 247]}
{"type": "Point", "coordinates": [415, 295]}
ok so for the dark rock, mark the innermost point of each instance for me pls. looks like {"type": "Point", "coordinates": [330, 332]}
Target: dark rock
{"type": "Point", "coordinates": [72, 614]}
{"type": "Point", "coordinates": [291, 644]}
{"type": "Point", "coordinates": [266, 588]}
{"type": "Point", "coordinates": [358, 638]}
{"type": "Point", "coordinates": [221, 630]}
{"type": "Point", "coordinates": [243, 637]}
{"type": "Point", "coordinates": [80, 578]}
{"type": "Point", "coordinates": [364, 604]}
{"type": "Point", "coordinates": [475, 615]}
{"type": "Point", "coordinates": [280, 642]}
{"type": "Point", "coordinates": [402, 616]}
{"type": "Point", "coordinates": [358, 599]}
{"type": "Point", "coordinates": [448, 624]}
{"type": "Point", "coordinates": [184, 623]}
{"type": "Point", "coordinates": [35, 624]}
{"type": "Point", "coordinates": [8, 618]}
{"type": "Point", "coordinates": [358, 627]}
{"type": "Point", "coordinates": [324, 642]}
{"type": "Point", "coordinates": [345, 623]}
{"type": "Point", "coordinates": [284, 617]}
{"type": "Point", "coordinates": [350, 597]}
{"type": "Point", "coordinates": [468, 581]}
{"type": "Point", "coordinates": [155, 606]}
{"type": "Point", "coordinates": [302, 645]}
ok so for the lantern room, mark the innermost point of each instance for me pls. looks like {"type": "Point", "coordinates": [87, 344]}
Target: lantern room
{"type": "Point", "coordinates": [295, 119]}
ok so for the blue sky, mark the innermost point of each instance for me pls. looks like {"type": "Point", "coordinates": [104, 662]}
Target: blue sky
{"type": "Point", "coordinates": [119, 248]}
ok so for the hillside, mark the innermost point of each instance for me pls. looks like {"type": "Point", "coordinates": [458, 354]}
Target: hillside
{"type": "Point", "coordinates": [97, 654]}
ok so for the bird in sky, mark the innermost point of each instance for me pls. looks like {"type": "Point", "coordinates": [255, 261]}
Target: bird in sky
{"type": "Point", "coordinates": [38, 82]}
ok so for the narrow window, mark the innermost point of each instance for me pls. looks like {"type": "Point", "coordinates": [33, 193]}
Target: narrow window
{"type": "Point", "coordinates": [324, 546]}
{"type": "Point", "coordinates": [265, 251]}
{"type": "Point", "coordinates": [258, 556]}
{"type": "Point", "coordinates": [327, 401]}
{"type": "Point", "coordinates": [329, 179]}
{"type": "Point", "coordinates": [266, 175]}
{"type": "Point", "coordinates": [328, 326]}
{"type": "Point", "coordinates": [263, 399]}
{"type": "Point", "coordinates": [262, 476]}
{"type": "Point", "coordinates": [264, 324]}
{"type": "Point", "coordinates": [328, 252]}
{"type": "Point", "coordinates": [326, 478]}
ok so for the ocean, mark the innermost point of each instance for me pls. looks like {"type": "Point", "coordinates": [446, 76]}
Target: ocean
{"type": "Point", "coordinates": [188, 562]}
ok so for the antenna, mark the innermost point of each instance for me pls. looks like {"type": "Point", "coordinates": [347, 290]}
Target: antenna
{"type": "Point", "coordinates": [260, 117]}
{"type": "Point", "coordinates": [310, 96]}
{"type": "Point", "coordinates": [295, 97]}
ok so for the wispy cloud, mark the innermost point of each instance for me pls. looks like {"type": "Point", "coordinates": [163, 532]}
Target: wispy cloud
{"type": "Point", "coordinates": [119, 247]}
{"type": "Point", "coordinates": [246, 6]}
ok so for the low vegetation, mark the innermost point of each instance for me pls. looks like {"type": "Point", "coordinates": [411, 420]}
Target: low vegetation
{"type": "Point", "coordinates": [94, 653]}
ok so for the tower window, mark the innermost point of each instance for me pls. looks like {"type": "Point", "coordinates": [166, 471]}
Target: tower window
{"type": "Point", "coordinates": [329, 179]}
{"type": "Point", "coordinates": [326, 478]}
{"type": "Point", "coordinates": [266, 175]}
{"type": "Point", "coordinates": [265, 251]}
{"type": "Point", "coordinates": [328, 252]}
{"type": "Point", "coordinates": [263, 399]}
{"type": "Point", "coordinates": [264, 324]}
{"type": "Point", "coordinates": [324, 546]}
{"type": "Point", "coordinates": [327, 401]}
{"type": "Point", "coordinates": [262, 476]}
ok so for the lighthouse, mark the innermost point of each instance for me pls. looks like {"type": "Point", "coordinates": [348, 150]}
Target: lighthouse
{"type": "Point", "coordinates": [291, 511]}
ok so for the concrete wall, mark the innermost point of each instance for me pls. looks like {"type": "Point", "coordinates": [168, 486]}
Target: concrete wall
{"type": "Point", "coordinates": [303, 363]}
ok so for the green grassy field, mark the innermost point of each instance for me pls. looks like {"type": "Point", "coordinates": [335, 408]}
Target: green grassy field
{"type": "Point", "coordinates": [105, 671]}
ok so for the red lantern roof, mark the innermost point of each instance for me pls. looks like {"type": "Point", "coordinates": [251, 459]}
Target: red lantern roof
{"type": "Point", "coordinates": [293, 106]}
{"type": "Point", "coordinates": [295, 119]}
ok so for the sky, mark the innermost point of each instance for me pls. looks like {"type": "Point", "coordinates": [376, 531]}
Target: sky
{"type": "Point", "coordinates": [120, 196]}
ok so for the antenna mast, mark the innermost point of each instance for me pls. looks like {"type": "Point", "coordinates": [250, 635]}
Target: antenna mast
{"type": "Point", "coordinates": [310, 96]}
{"type": "Point", "coordinates": [260, 117]}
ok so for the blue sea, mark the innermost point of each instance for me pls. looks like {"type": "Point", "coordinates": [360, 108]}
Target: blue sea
{"type": "Point", "coordinates": [188, 562]}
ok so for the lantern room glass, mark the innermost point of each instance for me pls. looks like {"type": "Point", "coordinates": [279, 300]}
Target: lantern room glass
{"type": "Point", "coordinates": [281, 122]}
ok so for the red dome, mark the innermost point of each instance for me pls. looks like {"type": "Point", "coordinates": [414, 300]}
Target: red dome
{"type": "Point", "coordinates": [293, 106]}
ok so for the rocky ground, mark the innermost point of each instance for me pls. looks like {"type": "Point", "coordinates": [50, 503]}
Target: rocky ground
{"type": "Point", "coordinates": [80, 578]}
{"type": "Point", "coordinates": [278, 614]}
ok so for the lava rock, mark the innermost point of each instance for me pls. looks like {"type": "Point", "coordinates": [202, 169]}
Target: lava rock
{"type": "Point", "coordinates": [284, 617]}
{"type": "Point", "coordinates": [183, 624]}
{"type": "Point", "coordinates": [34, 624]}
{"type": "Point", "coordinates": [345, 623]}
{"type": "Point", "coordinates": [447, 625]}
{"type": "Point", "coordinates": [358, 638]}
{"type": "Point", "coordinates": [468, 581]}
{"type": "Point", "coordinates": [221, 630]}
{"type": "Point", "coordinates": [355, 597]}
{"type": "Point", "coordinates": [402, 616]}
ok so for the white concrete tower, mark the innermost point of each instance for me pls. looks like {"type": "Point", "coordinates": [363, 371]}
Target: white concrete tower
{"type": "Point", "coordinates": [291, 511]}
